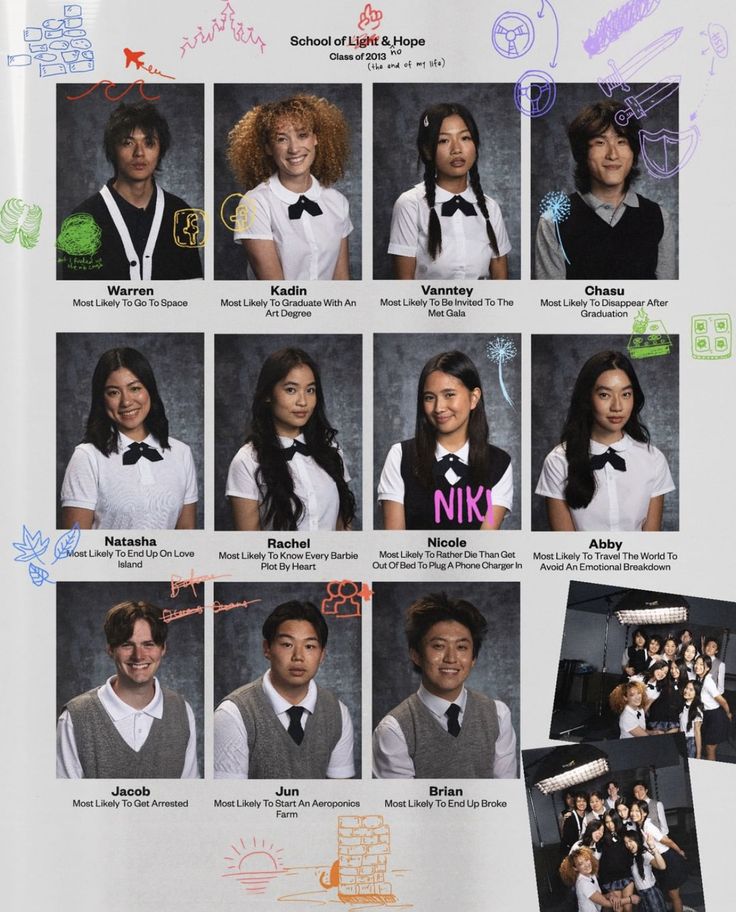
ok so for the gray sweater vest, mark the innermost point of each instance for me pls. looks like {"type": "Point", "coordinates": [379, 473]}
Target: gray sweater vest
{"type": "Point", "coordinates": [272, 752]}
{"type": "Point", "coordinates": [436, 753]}
{"type": "Point", "coordinates": [105, 755]}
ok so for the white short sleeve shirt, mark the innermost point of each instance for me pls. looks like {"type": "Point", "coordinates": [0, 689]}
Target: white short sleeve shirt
{"type": "Point", "coordinates": [585, 887]}
{"type": "Point", "coordinates": [630, 719]}
{"type": "Point", "coordinates": [309, 246]}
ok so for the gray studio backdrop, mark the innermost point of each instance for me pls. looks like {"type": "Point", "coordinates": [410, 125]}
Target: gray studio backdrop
{"type": "Point", "coordinates": [238, 644]}
{"type": "Point", "coordinates": [81, 166]}
{"type": "Point", "coordinates": [395, 396]}
{"type": "Point", "coordinates": [556, 363]}
{"type": "Point", "coordinates": [396, 110]}
{"type": "Point", "coordinates": [553, 164]}
{"type": "Point", "coordinates": [238, 361]}
{"type": "Point", "coordinates": [177, 360]}
{"type": "Point", "coordinates": [82, 661]}
{"type": "Point", "coordinates": [232, 101]}
{"type": "Point", "coordinates": [497, 669]}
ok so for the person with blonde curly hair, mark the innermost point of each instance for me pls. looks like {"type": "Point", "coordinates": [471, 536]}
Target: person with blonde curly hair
{"type": "Point", "coordinates": [579, 870]}
{"type": "Point", "coordinates": [629, 701]}
{"type": "Point", "coordinates": [291, 221]}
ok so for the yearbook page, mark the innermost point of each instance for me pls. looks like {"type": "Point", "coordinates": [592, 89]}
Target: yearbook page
{"type": "Point", "coordinates": [368, 515]}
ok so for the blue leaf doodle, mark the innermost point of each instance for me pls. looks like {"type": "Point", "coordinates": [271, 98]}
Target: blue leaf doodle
{"type": "Point", "coordinates": [66, 543]}
{"type": "Point", "coordinates": [31, 546]}
{"type": "Point", "coordinates": [38, 574]}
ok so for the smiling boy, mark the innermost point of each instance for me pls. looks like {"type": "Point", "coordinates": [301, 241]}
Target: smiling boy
{"type": "Point", "coordinates": [132, 231]}
{"type": "Point", "coordinates": [282, 726]}
{"type": "Point", "coordinates": [611, 232]}
{"type": "Point", "coordinates": [131, 727]}
{"type": "Point", "coordinates": [445, 730]}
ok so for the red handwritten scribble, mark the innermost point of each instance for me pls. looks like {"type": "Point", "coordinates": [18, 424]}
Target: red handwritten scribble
{"type": "Point", "coordinates": [345, 598]}
{"type": "Point", "coordinates": [113, 85]}
{"type": "Point", "coordinates": [192, 581]}
{"type": "Point", "coordinates": [136, 58]}
{"type": "Point", "coordinates": [369, 17]}
{"type": "Point", "coordinates": [238, 32]}
{"type": "Point", "coordinates": [167, 615]}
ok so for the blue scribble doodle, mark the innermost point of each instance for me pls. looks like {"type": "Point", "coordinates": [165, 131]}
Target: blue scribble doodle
{"type": "Point", "coordinates": [33, 546]}
{"type": "Point", "coordinates": [540, 15]}
{"type": "Point", "coordinates": [619, 76]}
{"type": "Point", "coordinates": [638, 106]}
{"type": "Point", "coordinates": [226, 19]}
{"type": "Point", "coordinates": [718, 43]}
{"type": "Point", "coordinates": [556, 207]}
{"type": "Point", "coordinates": [59, 45]}
{"type": "Point", "coordinates": [499, 351]}
{"type": "Point", "coordinates": [21, 220]}
{"type": "Point", "coordinates": [666, 152]}
{"type": "Point", "coordinates": [512, 34]}
{"type": "Point", "coordinates": [535, 93]}
{"type": "Point", "coordinates": [616, 22]}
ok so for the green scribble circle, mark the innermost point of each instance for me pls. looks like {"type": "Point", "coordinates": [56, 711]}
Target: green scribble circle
{"type": "Point", "coordinates": [80, 235]}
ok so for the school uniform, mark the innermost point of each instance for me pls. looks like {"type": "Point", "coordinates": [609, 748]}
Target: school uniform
{"type": "Point", "coordinates": [664, 714]}
{"type": "Point", "coordinates": [413, 741]}
{"type": "Point", "coordinates": [308, 244]}
{"type": "Point", "coordinates": [585, 887]}
{"type": "Point", "coordinates": [573, 828]}
{"type": "Point", "coordinates": [621, 499]}
{"type": "Point", "coordinates": [134, 243]}
{"type": "Point", "coordinates": [718, 673]}
{"type": "Point", "coordinates": [466, 251]}
{"type": "Point", "coordinates": [312, 485]}
{"type": "Point", "coordinates": [100, 736]}
{"type": "Point", "coordinates": [252, 740]}
{"type": "Point", "coordinates": [614, 872]}
{"type": "Point", "coordinates": [676, 872]}
{"type": "Point", "coordinates": [688, 728]}
{"type": "Point", "coordinates": [144, 494]}
{"type": "Point", "coordinates": [716, 724]}
{"type": "Point", "coordinates": [629, 719]}
{"type": "Point", "coordinates": [424, 508]}
{"type": "Point", "coordinates": [650, 896]}
{"type": "Point", "coordinates": [638, 659]}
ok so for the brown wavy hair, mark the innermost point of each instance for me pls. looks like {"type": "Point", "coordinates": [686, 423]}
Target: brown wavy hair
{"type": "Point", "coordinates": [618, 696]}
{"type": "Point", "coordinates": [568, 874]}
{"type": "Point", "coordinates": [247, 141]}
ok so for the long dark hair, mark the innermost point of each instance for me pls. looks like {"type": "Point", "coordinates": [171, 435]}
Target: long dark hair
{"type": "Point", "coordinates": [430, 122]}
{"type": "Point", "coordinates": [458, 365]}
{"type": "Point", "coordinates": [101, 429]}
{"type": "Point", "coordinates": [696, 705]}
{"type": "Point", "coordinates": [637, 837]}
{"type": "Point", "coordinates": [282, 508]}
{"type": "Point", "coordinates": [580, 486]}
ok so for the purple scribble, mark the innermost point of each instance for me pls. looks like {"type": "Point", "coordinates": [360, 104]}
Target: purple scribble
{"type": "Point", "coordinates": [665, 153]}
{"type": "Point", "coordinates": [226, 19]}
{"type": "Point", "coordinates": [616, 22]}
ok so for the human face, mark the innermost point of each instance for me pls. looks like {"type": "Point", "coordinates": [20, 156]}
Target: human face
{"type": "Point", "coordinates": [670, 648]}
{"type": "Point", "coordinates": [136, 157]}
{"type": "Point", "coordinates": [612, 790]}
{"type": "Point", "coordinates": [711, 648]}
{"type": "Point", "coordinates": [633, 697]}
{"type": "Point", "coordinates": [674, 671]}
{"type": "Point", "coordinates": [639, 640]}
{"type": "Point", "coordinates": [293, 401]}
{"type": "Point", "coordinates": [699, 667]}
{"type": "Point", "coordinates": [609, 824]}
{"type": "Point", "coordinates": [623, 810]}
{"type": "Point", "coordinates": [631, 845]}
{"type": "Point", "coordinates": [447, 406]}
{"type": "Point", "coordinates": [581, 804]}
{"type": "Point", "coordinates": [610, 160]}
{"type": "Point", "coordinates": [689, 652]}
{"type": "Point", "coordinates": [597, 835]}
{"type": "Point", "coordinates": [653, 647]}
{"type": "Point", "coordinates": [455, 153]}
{"type": "Point", "coordinates": [293, 148]}
{"type": "Point", "coordinates": [596, 805]}
{"type": "Point", "coordinates": [295, 655]}
{"type": "Point", "coordinates": [640, 793]}
{"type": "Point", "coordinates": [688, 692]}
{"type": "Point", "coordinates": [686, 637]}
{"type": "Point", "coordinates": [612, 401]}
{"type": "Point", "coordinates": [660, 673]}
{"type": "Point", "coordinates": [127, 403]}
{"type": "Point", "coordinates": [445, 657]}
{"type": "Point", "coordinates": [637, 815]}
{"type": "Point", "coordinates": [583, 864]}
{"type": "Point", "coordinates": [137, 659]}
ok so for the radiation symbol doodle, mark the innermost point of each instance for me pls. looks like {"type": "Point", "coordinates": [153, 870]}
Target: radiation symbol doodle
{"type": "Point", "coordinates": [512, 34]}
{"type": "Point", "coordinates": [535, 93]}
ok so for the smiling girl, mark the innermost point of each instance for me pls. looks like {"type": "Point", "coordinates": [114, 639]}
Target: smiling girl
{"type": "Point", "coordinates": [446, 227]}
{"type": "Point", "coordinates": [579, 870]}
{"type": "Point", "coordinates": [128, 473]}
{"type": "Point", "coordinates": [675, 872]}
{"type": "Point", "coordinates": [292, 223]}
{"type": "Point", "coordinates": [717, 715]}
{"type": "Point", "coordinates": [629, 701]}
{"type": "Point", "coordinates": [447, 476]}
{"type": "Point", "coordinates": [605, 476]}
{"type": "Point", "coordinates": [290, 473]}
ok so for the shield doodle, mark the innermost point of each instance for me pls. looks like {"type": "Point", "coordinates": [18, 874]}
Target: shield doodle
{"type": "Point", "coordinates": [666, 152]}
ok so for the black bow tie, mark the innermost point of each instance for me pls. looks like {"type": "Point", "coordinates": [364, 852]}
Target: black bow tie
{"type": "Point", "coordinates": [303, 205]}
{"type": "Point", "coordinates": [136, 450]}
{"type": "Point", "coordinates": [296, 447]}
{"type": "Point", "coordinates": [450, 207]}
{"type": "Point", "coordinates": [449, 461]}
{"type": "Point", "coordinates": [618, 462]}
{"type": "Point", "coordinates": [638, 714]}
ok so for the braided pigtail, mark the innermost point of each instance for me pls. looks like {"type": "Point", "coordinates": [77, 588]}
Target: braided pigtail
{"type": "Point", "coordinates": [434, 243]}
{"type": "Point", "coordinates": [481, 200]}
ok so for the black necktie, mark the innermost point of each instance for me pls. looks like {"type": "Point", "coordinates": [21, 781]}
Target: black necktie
{"type": "Point", "coordinates": [303, 205]}
{"type": "Point", "coordinates": [296, 447]}
{"type": "Point", "coordinates": [618, 462]}
{"type": "Point", "coordinates": [136, 450]}
{"type": "Point", "coordinates": [295, 723]}
{"type": "Point", "coordinates": [453, 725]}
{"type": "Point", "coordinates": [450, 207]}
{"type": "Point", "coordinates": [449, 461]}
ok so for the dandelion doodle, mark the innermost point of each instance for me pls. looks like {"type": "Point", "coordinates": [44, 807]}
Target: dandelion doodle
{"type": "Point", "coordinates": [555, 206]}
{"type": "Point", "coordinates": [501, 350]}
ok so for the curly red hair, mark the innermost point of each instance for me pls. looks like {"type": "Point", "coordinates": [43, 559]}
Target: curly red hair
{"type": "Point", "coordinates": [618, 697]}
{"type": "Point", "coordinates": [568, 874]}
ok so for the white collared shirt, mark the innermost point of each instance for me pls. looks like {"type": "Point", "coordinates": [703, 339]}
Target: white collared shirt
{"type": "Point", "coordinates": [630, 719]}
{"type": "Point", "coordinates": [312, 485]}
{"type": "Point", "coordinates": [466, 250]}
{"type": "Point", "coordinates": [146, 495]}
{"type": "Point", "coordinates": [308, 247]}
{"type": "Point", "coordinates": [391, 758]}
{"type": "Point", "coordinates": [231, 737]}
{"type": "Point", "coordinates": [133, 726]}
{"type": "Point", "coordinates": [621, 499]}
{"type": "Point", "coordinates": [391, 484]}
